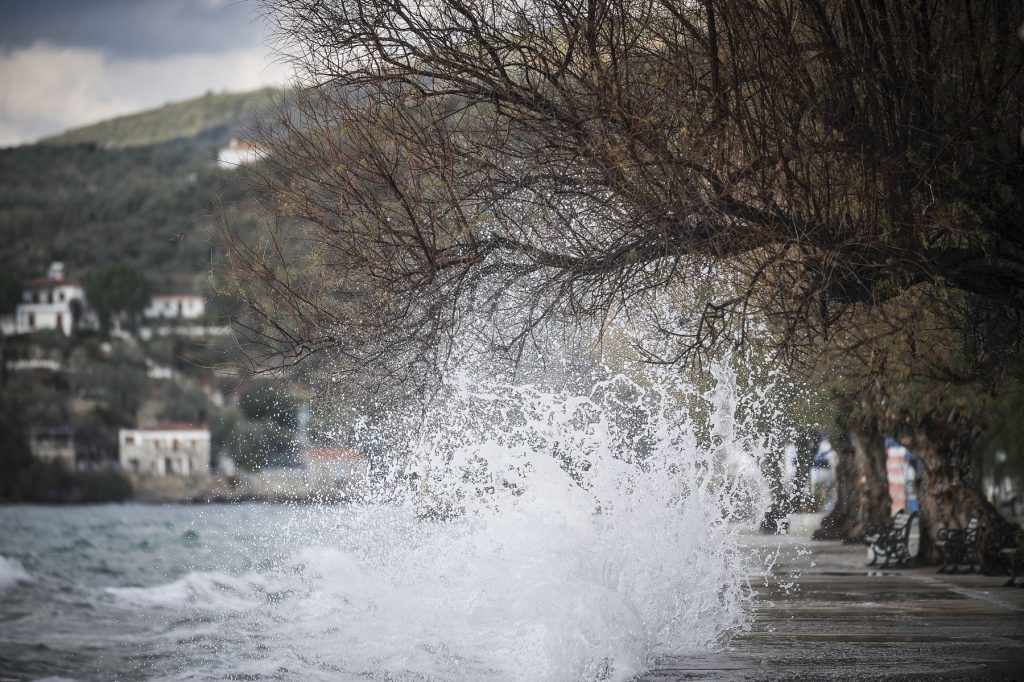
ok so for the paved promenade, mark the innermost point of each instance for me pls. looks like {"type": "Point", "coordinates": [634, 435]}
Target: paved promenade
{"type": "Point", "coordinates": [844, 622]}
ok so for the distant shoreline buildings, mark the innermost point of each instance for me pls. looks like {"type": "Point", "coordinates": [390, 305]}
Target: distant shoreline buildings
{"type": "Point", "coordinates": [55, 445]}
{"type": "Point", "coordinates": [164, 450]}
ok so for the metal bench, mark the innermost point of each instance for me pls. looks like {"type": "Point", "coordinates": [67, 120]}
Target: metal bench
{"type": "Point", "coordinates": [959, 546]}
{"type": "Point", "coordinates": [898, 541]}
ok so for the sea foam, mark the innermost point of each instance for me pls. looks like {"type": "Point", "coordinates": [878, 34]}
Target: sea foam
{"type": "Point", "coordinates": [11, 572]}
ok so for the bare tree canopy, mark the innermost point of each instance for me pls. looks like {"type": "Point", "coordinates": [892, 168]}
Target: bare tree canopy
{"type": "Point", "coordinates": [793, 162]}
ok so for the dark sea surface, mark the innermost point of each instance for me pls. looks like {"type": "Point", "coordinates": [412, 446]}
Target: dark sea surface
{"type": "Point", "coordinates": [80, 587]}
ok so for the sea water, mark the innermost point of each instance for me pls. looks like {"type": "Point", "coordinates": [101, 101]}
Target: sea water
{"type": "Point", "coordinates": [520, 533]}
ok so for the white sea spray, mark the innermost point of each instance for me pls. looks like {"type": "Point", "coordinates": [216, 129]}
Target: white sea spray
{"type": "Point", "coordinates": [525, 533]}
{"type": "Point", "coordinates": [12, 572]}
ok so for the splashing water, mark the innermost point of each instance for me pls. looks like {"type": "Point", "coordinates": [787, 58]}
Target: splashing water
{"type": "Point", "coordinates": [615, 526]}
{"type": "Point", "coordinates": [11, 572]}
{"type": "Point", "coordinates": [519, 533]}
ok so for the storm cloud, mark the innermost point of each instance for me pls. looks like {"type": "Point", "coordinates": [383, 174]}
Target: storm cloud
{"type": "Point", "coordinates": [66, 63]}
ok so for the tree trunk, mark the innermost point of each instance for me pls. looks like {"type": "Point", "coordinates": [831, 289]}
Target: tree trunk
{"type": "Point", "coordinates": [789, 496]}
{"type": "Point", "coordinates": [873, 485]}
{"type": "Point", "coordinates": [949, 484]}
{"type": "Point", "coordinates": [836, 524]}
{"type": "Point", "coordinates": [806, 449]}
{"type": "Point", "coordinates": [781, 500]}
{"type": "Point", "coordinates": [862, 495]}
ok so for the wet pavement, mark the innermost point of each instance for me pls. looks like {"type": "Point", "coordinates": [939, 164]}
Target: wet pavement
{"type": "Point", "coordinates": [823, 614]}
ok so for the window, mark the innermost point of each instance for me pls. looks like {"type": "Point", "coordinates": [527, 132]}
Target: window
{"type": "Point", "coordinates": [60, 321]}
{"type": "Point", "coordinates": [31, 320]}
{"type": "Point", "coordinates": [60, 296]}
{"type": "Point", "coordinates": [49, 297]}
{"type": "Point", "coordinates": [129, 440]}
{"type": "Point", "coordinates": [176, 445]}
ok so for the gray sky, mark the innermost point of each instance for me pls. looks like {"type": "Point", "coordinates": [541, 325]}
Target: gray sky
{"type": "Point", "coordinates": [66, 63]}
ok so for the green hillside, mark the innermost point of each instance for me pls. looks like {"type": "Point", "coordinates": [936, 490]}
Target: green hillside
{"type": "Point", "coordinates": [139, 197]}
{"type": "Point", "coordinates": [99, 196]}
{"type": "Point", "coordinates": [212, 115]}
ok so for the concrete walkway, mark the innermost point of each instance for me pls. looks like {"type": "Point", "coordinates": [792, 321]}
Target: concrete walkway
{"type": "Point", "coordinates": [841, 620]}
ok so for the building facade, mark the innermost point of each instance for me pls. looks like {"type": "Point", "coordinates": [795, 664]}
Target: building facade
{"type": "Point", "coordinates": [51, 302]}
{"type": "Point", "coordinates": [55, 445]}
{"type": "Point", "coordinates": [165, 450]}
{"type": "Point", "coordinates": [240, 153]}
{"type": "Point", "coordinates": [174, 307]}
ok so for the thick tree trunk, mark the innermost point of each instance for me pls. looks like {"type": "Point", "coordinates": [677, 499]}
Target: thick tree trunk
{"type": "Point", "coordinates": [789, 496]}
{"type": "Point", "coordinates": [837, 523]}
{"type": "Point", "coordinates": [781, 500]}
{"type": "Point", "coordinates": [806, 449]}
{"type": "Point", "coordinates": [949, 484]}
{"type": "Point", "coordinates": [873, 485]}
{"type": "Point", "coordinates": [862, 496]}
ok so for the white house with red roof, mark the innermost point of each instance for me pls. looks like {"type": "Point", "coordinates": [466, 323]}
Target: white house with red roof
{"type": "Point", "coordinates": [175, 449]}
{"type": "Point", "coordinates": [240, 153]}
{"type": "Point", "coordinates": [50, 302]}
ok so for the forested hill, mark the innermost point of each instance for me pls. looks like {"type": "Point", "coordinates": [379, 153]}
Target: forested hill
{"type": "Point", "coordinates": [207, 117]}
{"type": "Point", "coordinates": [108, 198]}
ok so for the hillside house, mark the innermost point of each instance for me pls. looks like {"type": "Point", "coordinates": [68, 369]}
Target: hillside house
{"type": "Point", "coordinates": [240, 153]}
{"type": "Point", "coordinates": [55, 444]}
{"type": "Point", "coordinates": [166, 450]}
{"type": "Point", "coordinates": [175, 307]}
{"type": "Point", "coordinates": [50, 302]}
